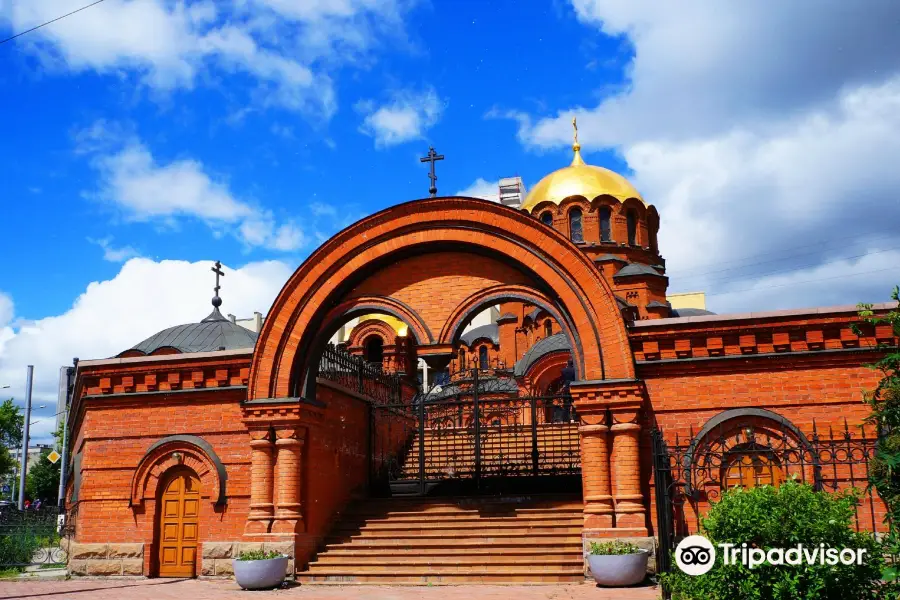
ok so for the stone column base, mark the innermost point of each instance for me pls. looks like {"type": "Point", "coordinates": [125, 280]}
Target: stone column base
{"type": "Point", "coordinates": [109, 560]}
{"type": "Point", "coordinates": [217, 556]}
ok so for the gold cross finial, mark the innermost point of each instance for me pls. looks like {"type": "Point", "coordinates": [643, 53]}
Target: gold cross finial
{"type": "Point", "coordinates": [576, 147]}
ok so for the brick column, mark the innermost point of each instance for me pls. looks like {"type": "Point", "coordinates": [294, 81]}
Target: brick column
{"type": "Point", "coordinates": [261, 485]}
{"type": "Point", "coordinates": [608, 411]}
{"type": "Point", "coordinates": [289, 446]}
{"type": "Point", "coordinates": [626, 464]}
{"type": "Point", "coordinates": [598, 506]}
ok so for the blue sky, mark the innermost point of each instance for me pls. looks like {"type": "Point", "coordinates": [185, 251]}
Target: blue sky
{"type": "Point", "coordinates": [145, 138]}
{"type": "Point", "coordinates": [474, 56]}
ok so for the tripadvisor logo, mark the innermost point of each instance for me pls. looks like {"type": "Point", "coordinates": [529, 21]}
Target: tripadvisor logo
{"type": "Point", "coordinates": [696, 555]}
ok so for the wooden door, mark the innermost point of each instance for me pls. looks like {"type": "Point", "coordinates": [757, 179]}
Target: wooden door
{"type": "Point", "coordinates": [178, 524]}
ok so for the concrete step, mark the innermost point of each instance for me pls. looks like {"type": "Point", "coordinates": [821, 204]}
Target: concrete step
{"type": "Point", "coordinates": [461, 518]}
{"type": "Point", "coordinates": [451, 569]}
{"type": "Point", "coordinates": [570, 560]}
{"type": "Point", "coordinates": [459, 556]}
{"type": "Point", "coordinates": [498, 577]}
{"type": "Point", "coordinates": [442, 540]}
{"type": "Point", "coordinates": [484, 530]}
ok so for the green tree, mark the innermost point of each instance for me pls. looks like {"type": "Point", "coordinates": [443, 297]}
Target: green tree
{"type": "Point", "coordinates": [42, 480]}
{"type": "Point", "coordinates": [11, 423]}
{"type": "Point", "coordinates": [884, 468]}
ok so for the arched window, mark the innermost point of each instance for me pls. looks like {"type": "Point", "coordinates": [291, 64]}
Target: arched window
{"type": "Point", "coordinates": [575, 225]}
{"type": "Point", "coordinates": [605, 230]}
{"type": "Point", "coordinates": [374, 350]}
{"type": "Point", "coordinates": [631, 219]}
{"type": "Point", "coordinates": [752, 466]}
{"type": "Point", "coordinates": [462, 359]}
{"type": "Point", "coordinates": [547, 218]}
{"type": "Point", "coordinates": [483, 358]}
{"type": "Point", "coordinates": [548, 328]}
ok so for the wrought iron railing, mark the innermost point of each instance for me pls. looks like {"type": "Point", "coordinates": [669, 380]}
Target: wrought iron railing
{"type": "Point", "coordinates": [354, 373]}
{"type": "Point", "coordinates": [691, 473]}
{"type": "Point", "coordinates": [475, 426]}
{"type": "Point", "coordinates": [33, 538]}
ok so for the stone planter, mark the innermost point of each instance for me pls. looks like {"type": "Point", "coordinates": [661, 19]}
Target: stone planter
{"type": "Point", "coordinates": [618, 570]}
{"type": "Point", "coordinates": [260, 574]}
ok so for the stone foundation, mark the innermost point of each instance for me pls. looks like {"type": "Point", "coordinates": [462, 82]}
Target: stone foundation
{"type": "Point", "coordinates": [109, 560]}
{"type": "Point", "coordinates": [216, 556]}
{"type": "Point", "coordinates": [646, 543]}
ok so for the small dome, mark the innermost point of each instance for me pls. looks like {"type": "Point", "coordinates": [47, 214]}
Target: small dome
{"type": "Point", "coordinates": [215, 332]}
{"type": "Point", "coordinates": [396, 324]}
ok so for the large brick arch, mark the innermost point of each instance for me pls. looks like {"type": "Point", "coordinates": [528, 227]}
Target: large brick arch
{"type": "Point", "coordinates": [293, 331]}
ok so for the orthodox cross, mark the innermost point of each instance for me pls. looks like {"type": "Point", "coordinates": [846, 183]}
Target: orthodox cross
{"type": "Point", "coordinates": [217, 269]}
{"type": "Point", "coordinates": [575, 127]}
{"type": "Point", "coordinates": [432, 158]}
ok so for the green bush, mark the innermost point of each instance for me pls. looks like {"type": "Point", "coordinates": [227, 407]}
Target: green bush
{"type": "Point", "coordinates": [258, 555]}
{"type": "Point", "coordinates": [766, 517]}
{"type": "Point", "coordinates": [18, 548]}
{"type": "Point", "coordinates": [613, 548]}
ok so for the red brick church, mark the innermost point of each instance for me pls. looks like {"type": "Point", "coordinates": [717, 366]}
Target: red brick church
{"type": "Point", "coordinates": [380, 428]}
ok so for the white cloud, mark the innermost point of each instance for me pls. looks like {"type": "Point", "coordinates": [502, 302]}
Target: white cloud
{"type": "Point", "coordinates": [489, 190]}
{"type": "Point", "coordinates": [114, 315]}
{"type": "Point", "coordinates": [288, 47]}
{"type": "Point", "coordinates": [407, 116]}
{"type": "Point", "coordinates": [766, 136]}
{"type": "Point", "coordinates": [139, 186]}
{"type": "Point", "coordinates": [112, 253]}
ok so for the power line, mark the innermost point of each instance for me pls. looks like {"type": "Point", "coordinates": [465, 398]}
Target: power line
{"type": "Point", "coordinates": [769, 287]}
{"type": "Point", "coordinates": [864, 237]}
{"type": "Point", "coordinates": [725, 280]}
{"type": "Point", "coordinates": [51, 21]}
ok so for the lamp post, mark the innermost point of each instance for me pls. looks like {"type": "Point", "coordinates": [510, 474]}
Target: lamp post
{"type": "Point", "coordinates": [28, 385]}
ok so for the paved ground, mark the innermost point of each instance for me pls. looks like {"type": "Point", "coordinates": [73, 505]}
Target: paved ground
{"type": "Point", "coordinates": [192, 589]}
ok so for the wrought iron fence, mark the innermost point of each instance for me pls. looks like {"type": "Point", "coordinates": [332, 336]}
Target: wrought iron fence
{"type": "Point", "coordinates": [474, 427]}
{"type": "Point", "coordinates": [689, 474]}
{"type": "Point", "coordinates": [34, 538]}
{"type": "Point", "coordinates": [354, 373]}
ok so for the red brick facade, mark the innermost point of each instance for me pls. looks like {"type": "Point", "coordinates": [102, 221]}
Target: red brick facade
{"type": "Point", "coordinates": [279, 452]}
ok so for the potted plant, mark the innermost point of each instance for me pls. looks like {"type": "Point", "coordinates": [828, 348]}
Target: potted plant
{"type": "Point", "coordinates": [259, 570]}
{"type": "Point", "coordinates": [617, 563]}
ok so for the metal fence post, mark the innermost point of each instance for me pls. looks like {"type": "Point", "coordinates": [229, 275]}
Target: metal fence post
{"type": "Point", "coordinates": [535, 455]}
{"type": "Point", "coordinates": [476, 421]}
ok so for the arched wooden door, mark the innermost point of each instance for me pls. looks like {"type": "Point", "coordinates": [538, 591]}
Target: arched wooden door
{"type": "Point", "coordinates": [179, 514]}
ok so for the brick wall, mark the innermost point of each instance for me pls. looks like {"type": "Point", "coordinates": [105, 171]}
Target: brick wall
{"type": "Point", "coordinates": [434, 284]}
{"type": "Point", "coordinates": [822, 389]}
{"type": "Point", "coordinates": [115, 434]}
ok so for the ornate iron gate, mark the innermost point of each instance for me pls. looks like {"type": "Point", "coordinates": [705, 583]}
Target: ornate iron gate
{"type": "Point", "coordinates": [749, 450]}
{"type": "Point", "coordinates": [473, 433]}
{"type": "Point", "coordinates": [34, 539]}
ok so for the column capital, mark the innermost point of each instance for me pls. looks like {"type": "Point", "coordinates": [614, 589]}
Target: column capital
{"type": "Point", "coordinates": [602, 395]}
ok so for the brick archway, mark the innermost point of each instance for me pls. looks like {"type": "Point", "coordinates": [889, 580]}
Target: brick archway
{"type": "Point", "coordinates": [187, 451]}
{"type": "Point", "coordinates": [294, 331]}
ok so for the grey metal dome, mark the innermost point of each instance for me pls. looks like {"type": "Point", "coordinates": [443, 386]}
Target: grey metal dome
{"type": "Point", "coordinates": [215, 332]}
{"type": "Point", "coordinates": [555, 343]}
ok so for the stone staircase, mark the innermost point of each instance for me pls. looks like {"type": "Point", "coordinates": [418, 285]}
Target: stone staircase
{"type": "Point", "coordinates": [453, 541]}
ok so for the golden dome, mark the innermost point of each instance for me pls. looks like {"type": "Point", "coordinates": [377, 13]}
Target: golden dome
{"type": "Point", "coordinates": [396, 324]}
{"type": "Point", "coordinates": [580, 179]}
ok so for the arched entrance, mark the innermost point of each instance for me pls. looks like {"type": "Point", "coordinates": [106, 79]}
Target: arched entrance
{"type": "Point", "coordinates": [513, 251]}
{"type": "Point", "coordinates": [178, 517]}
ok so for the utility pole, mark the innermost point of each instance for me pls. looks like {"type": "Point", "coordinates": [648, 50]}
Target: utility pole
{"type": "Point", "coordinates": [28, 383]}
{"type": "Point", "coordinates": [69, 381]}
